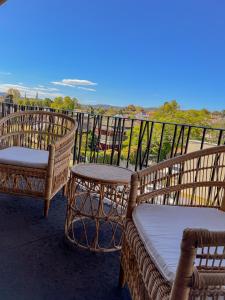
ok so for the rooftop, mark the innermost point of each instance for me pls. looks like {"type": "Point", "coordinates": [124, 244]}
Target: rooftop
{"type": "Point", "coordinates": [37, 263]}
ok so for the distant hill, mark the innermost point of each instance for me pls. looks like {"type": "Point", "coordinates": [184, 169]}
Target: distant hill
{"type": "Point", "coordinates": [107, 106]}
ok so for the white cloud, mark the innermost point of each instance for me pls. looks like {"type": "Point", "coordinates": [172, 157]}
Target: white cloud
{"type": "Point", "coordinates": [5, 73]}
{"type": "Point", "coordinates": [86, 89]}
{"type": "Point", "coordinates": [61, 83]}
{"type": "Point", "coordinates": [31, 91]}
{"type": "Point", "coordinates": [75, 82]}
{"type": "Point", "coordinates": [45, 89]}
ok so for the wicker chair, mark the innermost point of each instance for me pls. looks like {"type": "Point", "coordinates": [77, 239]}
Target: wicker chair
{"type": "Point", "coordinates": [174, 238]}
{"type": "Point", "coordinates": [35, 151]}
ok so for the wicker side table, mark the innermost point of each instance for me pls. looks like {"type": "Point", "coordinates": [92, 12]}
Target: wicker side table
{"type": "Point", "coordinates": [97, 201]}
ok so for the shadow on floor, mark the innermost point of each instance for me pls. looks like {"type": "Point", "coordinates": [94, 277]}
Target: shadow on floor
{"type": "Point", "coordinates": [36, 263]}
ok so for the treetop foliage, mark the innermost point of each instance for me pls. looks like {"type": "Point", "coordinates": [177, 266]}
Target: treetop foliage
{"type": "Point", "coordinates": [65, 103]}
{"type": "Point", "coordinates": [170, 111]}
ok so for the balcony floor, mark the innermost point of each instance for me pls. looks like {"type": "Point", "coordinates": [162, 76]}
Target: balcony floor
{"type": "Point", "coordinates": [35, 262]}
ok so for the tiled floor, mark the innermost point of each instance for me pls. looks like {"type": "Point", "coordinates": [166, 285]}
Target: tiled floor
{"type": "Point", "coordinates": [35, 262]}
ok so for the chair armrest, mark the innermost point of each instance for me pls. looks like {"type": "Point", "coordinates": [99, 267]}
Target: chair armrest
{"type": "Point", "coordinates": [50, 170]}
{"type": "Point", "coordinates": [58, 166]}
{"type": "Point", "coordinates": [64, 146]}
{"type": "Point", "coordinates": [204, 279]}
{"type": "Point", "coordinates": [206, 273]}
{"type": "Point", "coordinates": [132, 202]}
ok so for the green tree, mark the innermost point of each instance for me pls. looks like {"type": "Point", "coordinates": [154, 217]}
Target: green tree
{"type": "Point", "coordinates": [20, 101]}
{"type": "Point", "coordinates": [68, 103]}
{"type": "Point", "coordinates": [27, 102]}
{"type": "Point", "coordinates": [169, 112]}
{"type": "Point", "coordinates": [154, 146]}
{"type": "Point", "coordinates": [47, 102]}
{"type": "Point", "coordinates": [76, 102]}
{"type": "Point", "coordinates": [101, 111]}
{"type": "Point", "coordinates": [112, 111]}
{"type": "Point", "coordinates": [91, 110]}
{"type": "Point", "coordinates": [223, 113]}
{"type": "Point", "coordinates": [15, 93]}
{"type": "Point", "coordinates": [57, 103]}
{"type": "Point", "coordinates": [130, 107]}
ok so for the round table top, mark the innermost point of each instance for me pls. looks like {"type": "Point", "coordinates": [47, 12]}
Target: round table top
{"type": "Point", "coordinates": [103, 173]}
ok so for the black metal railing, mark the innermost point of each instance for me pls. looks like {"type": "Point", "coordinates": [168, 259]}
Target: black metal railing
{"type": "Point", "coordinates": [130, 143]}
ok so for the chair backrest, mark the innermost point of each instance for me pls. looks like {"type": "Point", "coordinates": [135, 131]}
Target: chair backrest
{"type": "Point", "coordinates": [35, 129]}
{"type": "Point", "coordinates": [193, 179]}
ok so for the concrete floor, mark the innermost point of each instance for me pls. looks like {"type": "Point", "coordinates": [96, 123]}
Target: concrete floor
{"type": "Point", "coordinates": [35, 262]}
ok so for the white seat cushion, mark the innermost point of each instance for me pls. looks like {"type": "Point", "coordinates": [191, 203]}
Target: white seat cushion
{"type": "Point", "coordinates": [26, 157]}
{"type": "Point", "coordinates": [161, 229]}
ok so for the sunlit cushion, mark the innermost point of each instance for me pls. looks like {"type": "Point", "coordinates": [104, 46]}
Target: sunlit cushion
{"type": "Point", "coordinates": [161, 228]}
{"type": "Point", "coordinates": [26, 157]}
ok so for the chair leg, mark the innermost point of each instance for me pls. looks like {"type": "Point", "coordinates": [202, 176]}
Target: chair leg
{"type": "Point", "coordinates": [65, 190]}
{"type": "Point", "coordinates": [122, 280]}
{"type": "Point", "coordinates": [46, 208]}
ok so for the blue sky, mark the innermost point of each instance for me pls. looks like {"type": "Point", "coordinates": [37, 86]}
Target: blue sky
{"type": "Point", "coordinates": [116, 51]}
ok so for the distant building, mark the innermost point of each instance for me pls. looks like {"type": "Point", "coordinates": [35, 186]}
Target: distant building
{"type": "Point", "coordinates": [5, 98]}
{"type": "Point", "coordinates": [8, 99]}
{"type": "Point", "coordinates": [118, 116]}
{"type": "Point", "coordinates": [110, 138]}
{"type": "Point", "coordinates": [2, 97]}
{"type": "Point", "coordinates": [142, 115]}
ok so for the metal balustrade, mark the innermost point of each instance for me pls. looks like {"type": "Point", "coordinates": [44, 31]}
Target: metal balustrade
{"type": "Point", "coordinates": [130, 143]}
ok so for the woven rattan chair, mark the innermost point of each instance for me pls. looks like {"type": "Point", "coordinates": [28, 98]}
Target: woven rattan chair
{"type": "Point", "coordinates": [35, 151]}
{"type": "Point", "coordinates": [174, 240]}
